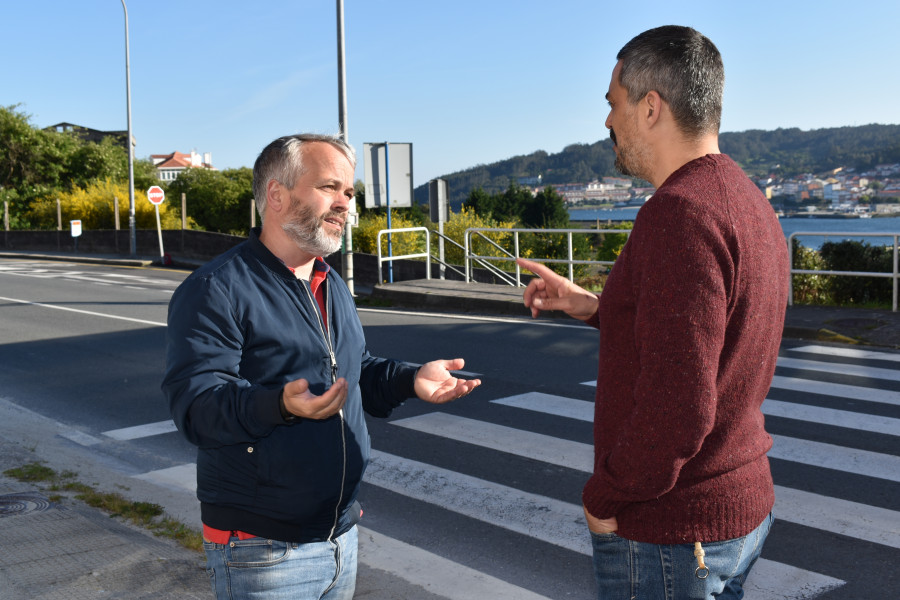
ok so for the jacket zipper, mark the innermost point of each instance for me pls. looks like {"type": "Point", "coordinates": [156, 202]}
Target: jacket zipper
{"type": "Point", "coordinates": [334, 367]}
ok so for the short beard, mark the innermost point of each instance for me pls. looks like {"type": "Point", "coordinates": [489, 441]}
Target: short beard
{"type": "Point", "coordinates": [631, 161]}
{"type": "Point", "coordinates": [307, 231]}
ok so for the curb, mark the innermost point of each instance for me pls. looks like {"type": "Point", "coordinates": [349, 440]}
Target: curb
{"type": "Point", "coordinates": [128, 262]}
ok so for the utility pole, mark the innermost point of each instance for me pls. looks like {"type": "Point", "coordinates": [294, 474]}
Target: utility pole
{"type": "Point", "coordinates": [130, 143]}
{"type": "Point", "coordinates": [347, 255]}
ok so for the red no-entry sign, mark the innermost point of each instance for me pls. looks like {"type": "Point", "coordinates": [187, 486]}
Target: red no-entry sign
{"type": "Point", "coordinates": [156, 195]}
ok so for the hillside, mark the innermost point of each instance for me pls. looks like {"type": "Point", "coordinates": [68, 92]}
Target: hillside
{"type": "Point", "coordinates": [782, 152]}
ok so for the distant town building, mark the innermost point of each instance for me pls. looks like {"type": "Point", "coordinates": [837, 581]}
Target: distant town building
{"type": "Point", "coordinates": [530, 181]}
{"type": "Point", "coordinates": [170, 166]}
{"type": "Point", "coordinates": [89, 135]}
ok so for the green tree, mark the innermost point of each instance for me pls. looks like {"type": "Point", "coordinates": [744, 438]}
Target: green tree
{"type": "Point", "coordinates": [546, 210]}
{"type": "Point", "coordinates": [216, 200]}
{"type": "Point", "coordinates": [33, 162]}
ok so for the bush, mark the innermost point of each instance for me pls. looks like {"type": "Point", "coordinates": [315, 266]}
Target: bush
{"type": "Point", "coordinates": [455, 228]}
{"type": "Point", "coordinates": [365, 236]}
{"type": "Point", "coordinates": [611, 244]}
{"type": "Point", "coordinates": [859, 256]}
{"type": "Point", "coordinates": [94, 206]}
{"type": "Point", "coordinates": [843, 289]}
{"type": "Point", "coordinates": [809, 289]}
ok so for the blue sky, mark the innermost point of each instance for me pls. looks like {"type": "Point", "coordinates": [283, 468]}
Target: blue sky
{"type": "Point", "coordinates": [466, 82]}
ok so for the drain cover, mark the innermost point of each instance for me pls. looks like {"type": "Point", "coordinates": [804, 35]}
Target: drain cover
{"type": "Point", "coordinates": [22, 504]}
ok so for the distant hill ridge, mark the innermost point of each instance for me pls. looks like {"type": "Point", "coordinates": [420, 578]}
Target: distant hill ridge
{"type": "Point", "coordinates": [779, 153]}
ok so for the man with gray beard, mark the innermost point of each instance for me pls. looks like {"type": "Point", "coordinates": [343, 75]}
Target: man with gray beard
{"type": "Point", "coordinates": [268, 375]}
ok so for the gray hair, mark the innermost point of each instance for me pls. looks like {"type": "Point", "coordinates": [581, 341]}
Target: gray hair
{"type": "Point", "coordinates": [282, 160]}
{"type": "Point", "coordinates": [684, 68]}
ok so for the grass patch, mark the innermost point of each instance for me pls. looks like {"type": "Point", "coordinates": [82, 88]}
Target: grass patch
{"type": "Point", "coordinates": [148, 515]}
{"type": "Point", "coordinates": [375, 302]}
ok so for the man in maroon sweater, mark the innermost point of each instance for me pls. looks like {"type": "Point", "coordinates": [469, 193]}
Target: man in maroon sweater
{"type": "Point", "coordinates": [690, 322]}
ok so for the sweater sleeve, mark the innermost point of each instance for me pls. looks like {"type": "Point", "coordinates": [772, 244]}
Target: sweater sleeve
{"type": "Point", "coordinates": [681, 276]}
{"type": "Point", "coordinates": [210, 402]}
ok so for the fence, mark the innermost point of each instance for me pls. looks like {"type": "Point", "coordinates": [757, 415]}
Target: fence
{"type": "Point", "coordinates": [894, 275]}
{"type": "Point", "coordinates": [506, 255]}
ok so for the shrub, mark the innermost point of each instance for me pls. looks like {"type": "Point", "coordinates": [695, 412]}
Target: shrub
{"type": "Point", "coordinates": [851, 255]}
{"type": "Point", "coordinates": [611, 244]}
{"type": "Point", "coordinates": [94, 206]}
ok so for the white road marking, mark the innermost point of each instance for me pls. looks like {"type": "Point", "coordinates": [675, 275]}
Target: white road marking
{"type": "Point", "coordinates": [182, 477]}
{"type": "Point", "coordinates": [829, 416]}
{"type": "Point", "coordinates": [83, 312]}
{"type": "Point", "coordinates": [436, 574]}
{"type": "Point", "coordinates": [840, 368]}
{"type": "Point", "coordinates": [142, 431]}
{"type": "Point", "coordinates": [847, 352]}
{"type": "Point", "coordinates": [839, 390]}
{"type": "Point", "coordinates": [553, 521]}
{"type": "Point", "coordinates": [493, 503]}
{"type": "Point", "coordinates": [584, 411]}
{"type": "Point", "coordinates": [830, 456]}
{"type": "Point", "coordinates": [79, 437]}
{"type": "Point", "coordinates": [576, 455]}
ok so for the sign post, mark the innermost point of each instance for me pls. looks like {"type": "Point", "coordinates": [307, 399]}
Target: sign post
{"type": "Point", "coordinates": [156, 195]}
{"type": "Point", "coordinates": [385, 163]}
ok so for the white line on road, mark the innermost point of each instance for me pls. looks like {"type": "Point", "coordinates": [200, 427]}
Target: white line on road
{"type": "Point", "coordinates": [840, 368]}
{"type": "Point", "coordinates": [847, 352]}
{"type": "Point", "coordinates": [830, 456]}
{"type": "Point", "coordinates": [576, 455]}
{"type": "Point", "coordinates": [537, 446]}
{"type": "Point", "coordinates": [182, 477]}
{"type": "Point", "coordinates": [559, 523]}
{"type": "Point", "coordinates": [142, 431]}
{"type": "Point", "coordinates": [83, 312]}
{"type": "Point", "coordinates": [824, 388]}
{"type": "Point", "coordinates": [861, 521]}
{"type": "Point", "coordinates": [838, 390]}
{"type": "Point", "coordinates": [553, 521]}
{"type": "Point", "coordinates": [436, 574]}
{"type": "Point", "coordinates": [584, 411]}
{"type": "Point", "coordinates": [79, 437]}
{"type": "Point", "coordinates": [829, 416]}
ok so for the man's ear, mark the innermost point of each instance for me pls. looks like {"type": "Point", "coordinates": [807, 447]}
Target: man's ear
{"type": "Point", "coordinates": [652, 108]}
{"type": "Point", "coordinates": [276, 196]}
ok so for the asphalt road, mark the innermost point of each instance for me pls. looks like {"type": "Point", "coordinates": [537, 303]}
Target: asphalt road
{"type": "Point", "coordinates": [479, 498]}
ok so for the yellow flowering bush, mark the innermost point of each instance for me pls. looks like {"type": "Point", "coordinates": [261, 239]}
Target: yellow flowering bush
{"type": "Point", "coordinates": [94, 206]}
{"type": "Point", "coordinates": [455, 228]}
{"type": "Point", "coordinates": [365, 236]}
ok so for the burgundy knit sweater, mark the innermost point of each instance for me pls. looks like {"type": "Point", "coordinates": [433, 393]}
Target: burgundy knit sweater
{"type": "Point", "coordinates": [690, 323]}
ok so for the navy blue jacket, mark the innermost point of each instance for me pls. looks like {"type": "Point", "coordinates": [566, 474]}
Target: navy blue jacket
{"type": "Point", "coordinates": [241, 327]}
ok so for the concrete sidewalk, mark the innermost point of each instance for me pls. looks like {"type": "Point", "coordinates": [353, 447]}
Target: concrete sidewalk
{"type": "Point", "coordinates": [63, 549]}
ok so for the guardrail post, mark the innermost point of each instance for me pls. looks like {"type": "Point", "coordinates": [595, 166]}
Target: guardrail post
{"type": "Point", "coordinates": [894, 307]}
{"type": "Point", "coordinates": [790, 243]}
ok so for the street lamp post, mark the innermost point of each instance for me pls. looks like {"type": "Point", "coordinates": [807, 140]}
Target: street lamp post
{"type": "Point", "coordinates": [129, 144]}
{"type": "Point", "coordinates": [347, 256]}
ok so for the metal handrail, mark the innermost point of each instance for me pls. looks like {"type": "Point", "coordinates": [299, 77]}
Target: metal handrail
{"type": "Point", "coordinates": [512, 256]}
{"type": "Point", "coordinates": [895, 275]}
{"type": "Point", "coordinates": [426, 254]}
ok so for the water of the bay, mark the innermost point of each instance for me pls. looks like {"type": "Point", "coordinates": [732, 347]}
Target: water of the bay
{"type": "Point", "coordinates": [824, 228]}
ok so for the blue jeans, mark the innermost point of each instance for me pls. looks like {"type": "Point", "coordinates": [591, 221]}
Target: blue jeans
{"type": "Point", "coordinates": [261, 569]}
{"type": "Point", "coordinates": [627, 570]}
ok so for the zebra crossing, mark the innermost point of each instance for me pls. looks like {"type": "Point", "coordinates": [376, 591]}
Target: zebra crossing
{"type": "Point", "coordinates": [831, 392]}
